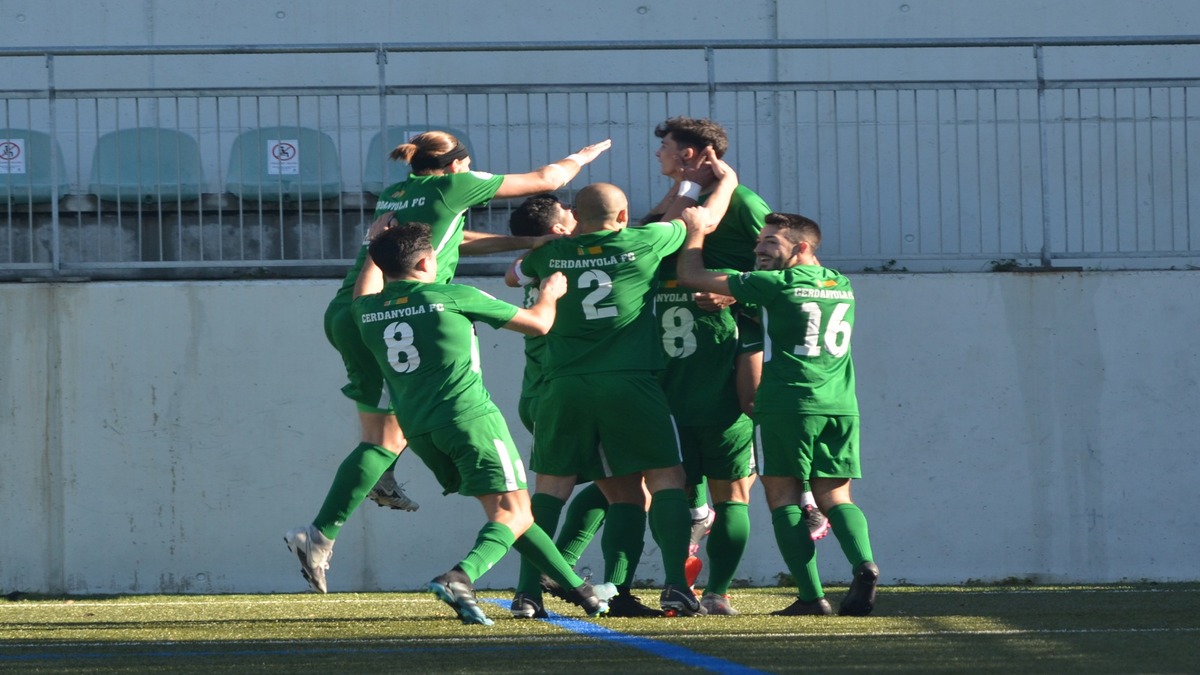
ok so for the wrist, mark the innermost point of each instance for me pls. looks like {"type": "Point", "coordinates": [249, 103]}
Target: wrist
{"type": "Point", "coordinates": [577, 158]}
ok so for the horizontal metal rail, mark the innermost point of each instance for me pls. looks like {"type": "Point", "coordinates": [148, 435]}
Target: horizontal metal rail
{"type": "Point", "coordinates": [921, 174]}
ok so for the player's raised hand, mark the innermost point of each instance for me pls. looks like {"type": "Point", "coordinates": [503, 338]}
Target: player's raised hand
{"type": "Point", "coordinates": [718, 166]}
{"type": "Point", "coordinates": [591, 152]}
{"type": "Point", "coordinates": [382, 223]}
{"type": "Point", "coordinates": [554, 286]}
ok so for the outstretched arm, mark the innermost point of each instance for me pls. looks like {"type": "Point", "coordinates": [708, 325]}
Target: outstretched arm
{"type": "Point", "coordinates": [552, 176]}
{"type": "Point", "coordinates": [538, 319]}
{"type": "Point", "coordinates": [484, 243]}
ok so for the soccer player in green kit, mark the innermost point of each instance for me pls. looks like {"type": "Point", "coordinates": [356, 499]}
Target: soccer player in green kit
{"type": "Point", "coordinates": [538, 216]}
{"type": "Point", "coordinates": [440, 190]}
{"type": "Point", "coordinates": [805, 410]}
{"type": "Point", "coordinates": [687, 143]}
{"type": "Point", "coordinates": [716, 438]}
{"type": "Point", "coordinates": [422, 336]}
{"type": "Point", "coordinates": [610, 421]}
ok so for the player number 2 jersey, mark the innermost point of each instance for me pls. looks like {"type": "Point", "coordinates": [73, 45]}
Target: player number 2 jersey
{"type": "Point", "coordinates": [605, 322]}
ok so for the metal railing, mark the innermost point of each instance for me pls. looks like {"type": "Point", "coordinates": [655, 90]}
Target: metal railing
{"type": "Point", "coordinates": [938, 174]}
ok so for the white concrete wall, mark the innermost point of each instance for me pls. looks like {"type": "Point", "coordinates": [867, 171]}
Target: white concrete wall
{"type": "Point", "coordinates": [162, 437]}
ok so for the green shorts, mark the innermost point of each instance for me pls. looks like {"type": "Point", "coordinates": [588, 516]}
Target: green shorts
{"type": "Point", "coordinates": [807, 446]}
{"type": "Point", "coordinates": [718, 452]}
{"type": "Point", "coordinates": [472, 457]}
{"type": "Point", "coordinates": [366, 387]}
{"type": "Point", "coordinates": [603, 425]}
{"type": "Point", "coordinates": [527, 411]}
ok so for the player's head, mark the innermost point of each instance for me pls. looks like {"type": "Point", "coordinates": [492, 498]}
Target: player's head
{"type": "Point", "coordinates": [540, 215]}
{"type": "Point", "coordinates": [684, 140]}
{"type": "Point", "coordinates": [433, 152]}
{"type": "Point", "coordinates": [786, 240]}
{"type": "Point", "coordinates": [401, 250]}
{"type": "Point", "coordinates": [601, 204]}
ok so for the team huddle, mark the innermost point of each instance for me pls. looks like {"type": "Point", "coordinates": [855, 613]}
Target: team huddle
{"type": "Point", "coordinates": [687, 355]}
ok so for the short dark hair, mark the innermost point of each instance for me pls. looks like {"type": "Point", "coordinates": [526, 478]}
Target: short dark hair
{"type": "Point", "coordinates": [695, 133]}
{"type": "Point", "coordinates": [798, 227]}
{"type": "Point", "coordinates": [535, 216]}
{"type": "Point", "coordinates": [397, 249]}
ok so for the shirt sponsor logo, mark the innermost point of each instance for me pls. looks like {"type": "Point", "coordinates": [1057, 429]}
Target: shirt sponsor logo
{"type": "Point", "coordinates": [822, 293]}
{"type": "Point", "coordinates": [402, 312]}
{"type": "Point", "coordinates": [608, 261]}
{"type": "Point", "coordinates": [399, 204]}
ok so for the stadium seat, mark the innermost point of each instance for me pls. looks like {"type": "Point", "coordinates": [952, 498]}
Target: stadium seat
{"type": "Point", "coordinates": [147, 164]}
{"type": "Point", "coordinates": [284, 163]}
{"type": "Point", "coordinates": [26, 171]}
{"type": "Point", "coordinates": [380, 171]}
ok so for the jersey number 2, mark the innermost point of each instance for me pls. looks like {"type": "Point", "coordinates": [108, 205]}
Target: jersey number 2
{"type": "Point", "coordinates": [603, 284]}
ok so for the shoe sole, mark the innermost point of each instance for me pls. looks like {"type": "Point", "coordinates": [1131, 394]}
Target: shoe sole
{"type": "Point", "coordinates": [676, 608]}
{"type": "Point", "coordinates": [466, 615]}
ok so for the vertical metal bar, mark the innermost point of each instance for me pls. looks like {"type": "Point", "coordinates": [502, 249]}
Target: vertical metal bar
{"type": "Point", "coordinates": [1043, 151]}
{"type": "Point", "coordinates": [979, 171]}
{"type": "Point", "coordinates": [55, 228]}
{"type": "Point", "coordinates": [1187, 181]}
{"type": "Point", "coordinates": [711, 64]}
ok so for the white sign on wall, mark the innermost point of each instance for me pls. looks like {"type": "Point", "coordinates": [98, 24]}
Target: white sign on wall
{"type": "Point", "coordinates": [283, 157]}
{"type": "Point", "coordinates": [12, 155]}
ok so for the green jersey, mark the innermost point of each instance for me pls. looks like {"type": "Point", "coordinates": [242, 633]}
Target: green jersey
{"type": "Point", "coordinates": [807, 315]}
{"type": "Point", "coordinates": [731, 245]}
{"type": "Point", "coordinates": [701, 349]}
{"type": "Point", "coordinates": [424, 342]}
{"type": "Point", "coordinates": [535, 346]}
{"type": "Point", "coordinates": [604, 322]}
{"type": "Point", "coordinates": [441, 202]}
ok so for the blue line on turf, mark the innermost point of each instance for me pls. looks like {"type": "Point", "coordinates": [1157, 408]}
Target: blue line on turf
{"type": "Point", "coordinates": [661, 649]}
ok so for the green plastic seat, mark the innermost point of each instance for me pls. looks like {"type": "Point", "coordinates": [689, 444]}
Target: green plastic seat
{"type": "Point", "coordinates": [147, 164]}
{"type": "Point", "coordinates": [380, 171]}
{"type": "Point", "coordinates": [28, 160]}
{"type": "Point", "coordinates": [284, 163]}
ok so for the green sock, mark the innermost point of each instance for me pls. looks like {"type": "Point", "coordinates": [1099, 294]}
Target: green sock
{"type": "Point", "coordinates": [672, 525]}
{"type": "Point", "coordinates": [798, 550]}
{"type": "Point", "coordinates": [536, 547]}
{"type": "Point", "coordinates": [546, 511]}
{"type": "Point", "coordinates": [491, 544]}
{"type": "Point", "coordinates": [698, 494]}
{"type": "Point", "coordinates": [850, 527]}
{"type": "Point", "coordinates": [584, 517]}
{"type": "Point", "coordinates": [355, 477]}
{"type": "Point", "coordinates": [622, 542]}
{"type": "Point", "coordinates": [727, 544]}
